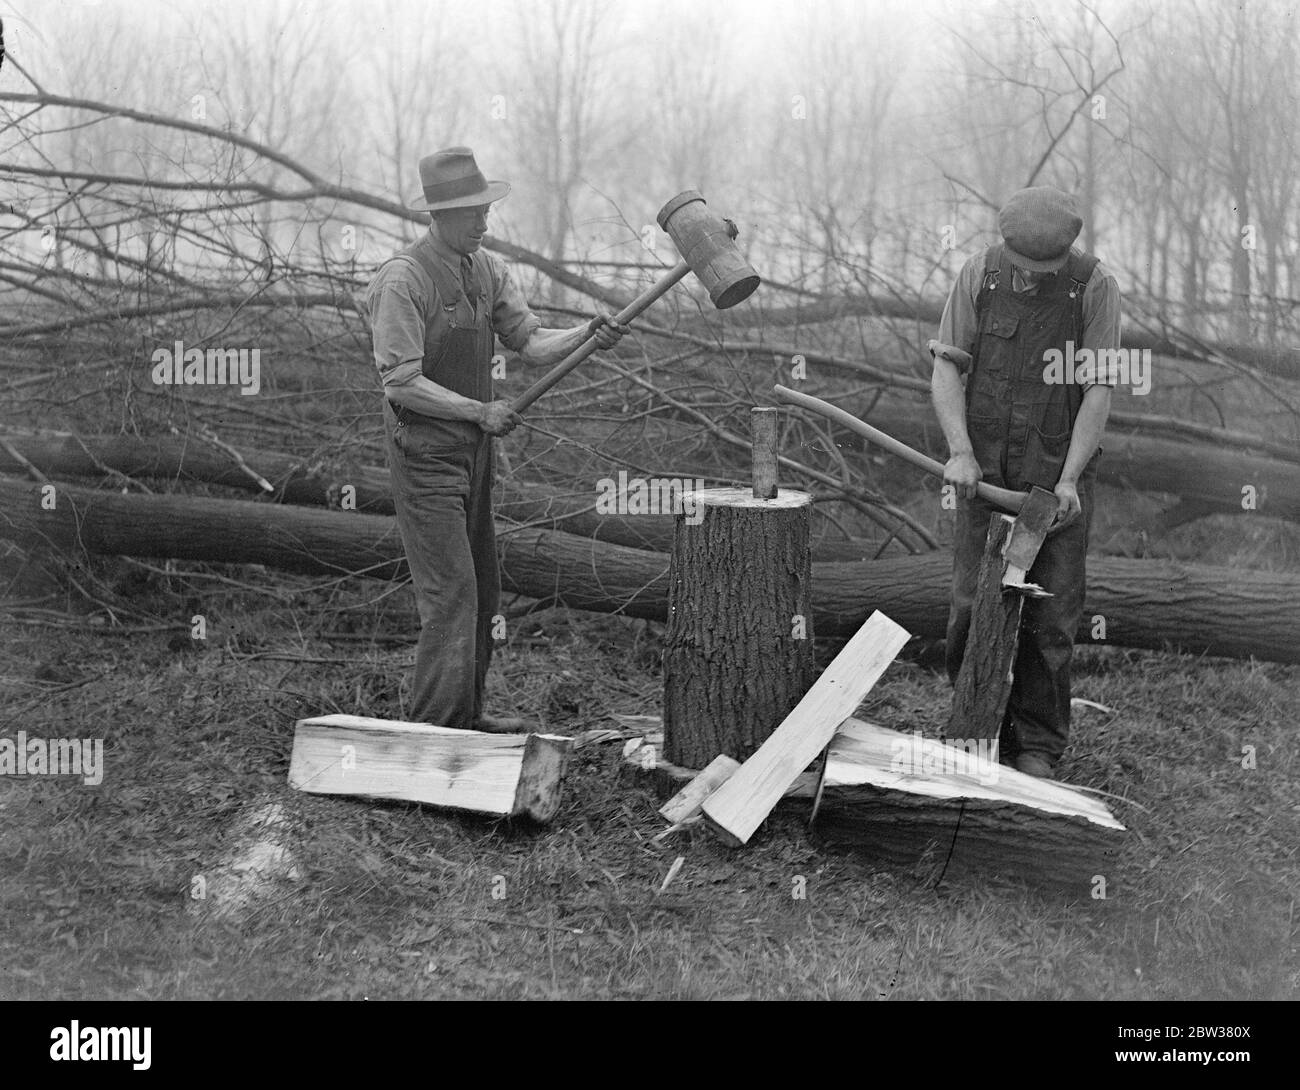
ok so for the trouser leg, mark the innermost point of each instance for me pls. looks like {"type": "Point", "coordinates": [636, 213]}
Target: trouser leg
{"type": "Point", "coordinates": [483, 548]}
{"type": "Point", "coordinates": [430, 487]}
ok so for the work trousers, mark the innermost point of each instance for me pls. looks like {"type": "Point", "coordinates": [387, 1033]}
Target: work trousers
{"type": "Point", "coordinates": [442, 490]}
{"type": "Point", "coordinates": [1037, 720]}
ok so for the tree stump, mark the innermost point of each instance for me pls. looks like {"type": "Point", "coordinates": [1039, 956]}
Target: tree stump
{"type": "Point", "coordinates": [983, 685]}
{"type": "Point", "coordinates": [738, 655]}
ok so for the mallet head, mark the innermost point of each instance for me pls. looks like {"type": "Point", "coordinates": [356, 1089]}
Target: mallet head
{"type": "Point", "coordinates": [707, 243]}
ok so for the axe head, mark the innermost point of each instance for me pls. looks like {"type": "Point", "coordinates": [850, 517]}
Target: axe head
{"type": "Point", "coordinates": [707, 243]}
{"type": "Point", "coordinates": [1030, 529]}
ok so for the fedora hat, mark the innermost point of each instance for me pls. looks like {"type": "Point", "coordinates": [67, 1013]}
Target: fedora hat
{"type": "Point", "coordinates": [451, 179]}
{"type": "Point", "coordinates": [1039, 225]}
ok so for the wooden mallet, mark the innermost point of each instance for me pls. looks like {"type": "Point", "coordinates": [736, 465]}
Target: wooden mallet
{"type": "Point", "coordinates": [707, 243]}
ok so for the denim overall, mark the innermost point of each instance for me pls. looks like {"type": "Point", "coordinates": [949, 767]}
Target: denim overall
{"type": "Point", "coordinates": [1020, 428]}
{"type": "Point", "coordinates": [442, 488]}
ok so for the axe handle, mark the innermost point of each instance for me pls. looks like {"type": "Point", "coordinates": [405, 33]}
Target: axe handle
{"type": "Point", "coordinates": [1004, 498]}
{"type": "Point", "coordinates": [655, 291]}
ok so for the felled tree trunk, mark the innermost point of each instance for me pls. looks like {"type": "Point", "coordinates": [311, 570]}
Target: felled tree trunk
{"type": "Point", "coordinates": [302, 482]}
{"type": "Point", "coordinates": [738, 652]}
{"type": "Point", "coordinates": [1159, 604]}
{"type": "Point", "coordinates": [1210, 478]}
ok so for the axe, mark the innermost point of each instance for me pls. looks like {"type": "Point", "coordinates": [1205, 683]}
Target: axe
{"type": "Point", "coordinates": [1034, 510]}
{"type": "Point", "coordinates": [707, 243]}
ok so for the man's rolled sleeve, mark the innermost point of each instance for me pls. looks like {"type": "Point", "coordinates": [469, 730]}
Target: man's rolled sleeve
{"type": "Point", "coordinates": [512, 320]}
{"type": "Point", "coordinates": [1101, 319]}
{"type": "Point", "coordinates": [959, 327]}
{"type": "Point", "coordinates": [397, 324]}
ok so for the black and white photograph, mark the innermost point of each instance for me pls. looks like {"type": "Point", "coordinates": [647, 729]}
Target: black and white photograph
{"type": "Point", "coordinates": [670, 500]}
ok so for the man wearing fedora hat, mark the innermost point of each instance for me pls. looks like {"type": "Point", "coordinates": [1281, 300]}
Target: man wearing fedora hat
{"type": "Point", "coordinates": [435, 310]}
{"type": "Point", "coordinates": [1009, 421]}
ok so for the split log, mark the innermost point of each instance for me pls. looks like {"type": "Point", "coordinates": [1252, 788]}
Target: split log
{"type": "Point", "coordinates": [501, 775]}
{"type": "Point", "coordinates": [1155, 604]}
{"type": "Point", "coordinates": [742, 804]}
{"type": "Point", "coordinates": [983, 685]}
{"type": "Point", "coordinates": [903, 798]}
{"type": "Point", "coordinates": [738, 653]}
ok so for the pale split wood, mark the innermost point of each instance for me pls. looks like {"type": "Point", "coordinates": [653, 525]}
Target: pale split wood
{"type": "Point", "coordinates": [866, 753]}
{"type": "Point", "coordinates": [502, 775]}
{"type": "Point", "coordinates": [687, 802]}
{"type": "Point", "coordinates": [741, 804]}
{"type": "Point", "coordinates": [637, 759]}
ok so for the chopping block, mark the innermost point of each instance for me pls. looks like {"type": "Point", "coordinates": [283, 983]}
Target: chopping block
{"type": "Point", "coordinates": [983, 684]}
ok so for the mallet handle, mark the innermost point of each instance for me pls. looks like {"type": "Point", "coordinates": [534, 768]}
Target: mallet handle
{"type": "Point", "coordinates": [1004, 498]}
{"type": "Point", "coordinates": [655, 291]}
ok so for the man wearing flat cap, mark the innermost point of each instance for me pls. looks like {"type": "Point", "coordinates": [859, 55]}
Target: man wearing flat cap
{"type": "Point", "coordinates": [1011, 422]}
{"type": "Point", "coordinates": [435, 309]}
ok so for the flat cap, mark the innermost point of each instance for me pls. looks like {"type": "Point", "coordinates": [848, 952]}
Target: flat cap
{"type": "Point", "coordinates": [1039, 225]}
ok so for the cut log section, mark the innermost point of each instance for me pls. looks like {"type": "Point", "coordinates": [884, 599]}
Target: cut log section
{"type": "Point", "coordinates": [903, 797]}
{"type": "Point", "coordinates": [738, 653]}
{"type": "Point", "coordinates": [741, 804]}
{"type": "Point", "coordinates": [501, 775]}
{"type": "Point", "coordinates": [983, 685]}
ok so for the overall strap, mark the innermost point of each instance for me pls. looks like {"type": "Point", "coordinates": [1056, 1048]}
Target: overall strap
{"type": "Point", "coordinates": [992, 267]}
{"type": "Point", "coordinates": [446, 286]}
{"type": "Point", "coordinates": [1074, 282]}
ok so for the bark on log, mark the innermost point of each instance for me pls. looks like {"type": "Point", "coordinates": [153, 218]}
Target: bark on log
{"type": "Point", "coordinates": [738, 654]}
{"type": "Point", "coordinates": [1143, 603]}
{"type": "Point", "coordinates": [302, 482]}
{"type": "Point", "coordinates": [983, 685]}
{"type": "Point", "coordinates": [176, 458]}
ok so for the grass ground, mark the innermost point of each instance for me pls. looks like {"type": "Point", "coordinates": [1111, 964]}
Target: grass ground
{"type": "Point", "coordinates": [118, 890]}
{"type": "Point", "coordinates": [143, 886]}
